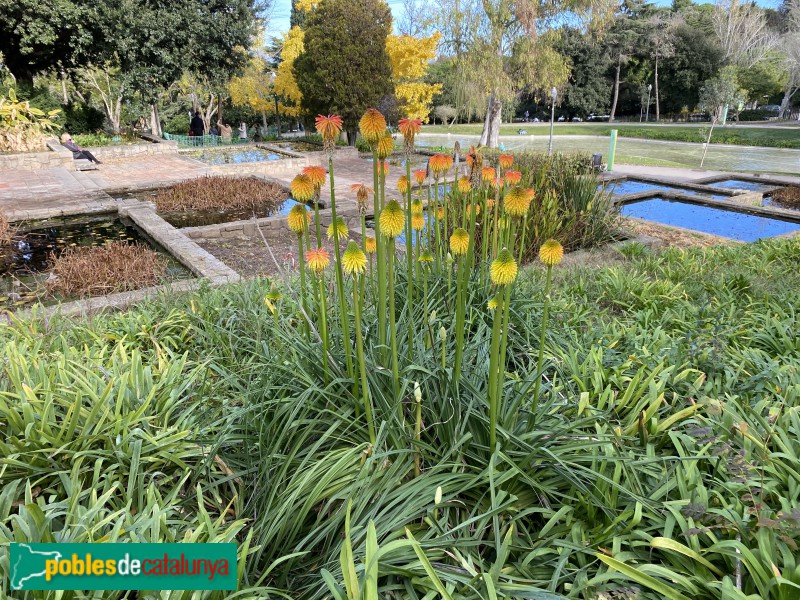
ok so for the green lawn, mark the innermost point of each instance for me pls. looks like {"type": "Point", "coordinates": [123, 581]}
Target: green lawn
{"type": "Point", "coordinates": [741, 135]}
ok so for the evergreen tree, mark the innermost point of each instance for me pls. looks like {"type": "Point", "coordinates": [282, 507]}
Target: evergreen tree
{"type": "Point", "coordinates": [344, 68]}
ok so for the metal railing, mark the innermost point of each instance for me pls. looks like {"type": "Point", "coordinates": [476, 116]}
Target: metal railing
{"type": "Point", "coordinates": [202, 141]}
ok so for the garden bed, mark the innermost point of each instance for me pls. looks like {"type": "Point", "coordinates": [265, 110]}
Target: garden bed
{"type": "Point", "coordinates": [26, 263]}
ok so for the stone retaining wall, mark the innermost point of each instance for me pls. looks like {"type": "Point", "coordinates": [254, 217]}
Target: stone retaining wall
{"type": "Point", "coordinates": [54, 157]}
{"type": "Point", "coordinates": [145, 148]}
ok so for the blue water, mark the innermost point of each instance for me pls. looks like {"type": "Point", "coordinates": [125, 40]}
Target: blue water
{"type": "Point", "coordinates": [738, 184]}
{"type": "Point", "coordinates": [228, 157]}
{"type": "Point", "coordinates": [717, 221]}
{"type": "Point", "coordinates": [288, 205]}
{"type": "Point", "coordinates": [631, 186]}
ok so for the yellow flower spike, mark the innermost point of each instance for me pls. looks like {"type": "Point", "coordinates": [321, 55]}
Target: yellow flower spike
{"type": "Point", "coordinates": [426, 257]}
{"type": "Point", "coordinates": [302, 188]}
{"type": "Point", "coordinates": [517, 202]}
{"type": "Point", "coordinates": [417, 221]}
{"type": "Point", "coordinates": [318, 259]}
{"type": "Point", "coordinates": [440, 163]}
{"type": "Point", "coordinates": [416, 207]}
{"type": "Point", "coordinates": [270, 305]}
{"type": "Point", "coordinates": [370, 245]}
{"type": "Point", "coordinates": [473, 208]}
{"type": "Point", "coordinates": [385, 146]}
{"type": "Point", "coordinates": [551, 253]}
{"type": "Point", "coordinates": [464, 186]}
{"type": "Point", "coordinates": [490, 204]}
{"type": "Point", "coordinates": [392, 219]}
{"type": "Point", "coordinates": [488, 175]}
{"type": "Point", "coordinates": [504, 268]}
{"type": "Point", "coordinates": [459, 242]}
{"type": "Point", "coordinates": [372, 126]}
{"type": "Point", "coordinates": [506, 161]}
{"type": "Point", "coordinates": [354, 261]}
{"type": "Point", "coordinates": [341, 228]}
{"type": "Point", "coordinates": [492, 304]}
{"type": "Point", "coordinates": [439, 213]}
{"type": "Point", "coordinates": [298, 219]}
{"type": "Point", "coordinates": [402, 184]}
{"type": "Point", "coordinates": [316, 174]}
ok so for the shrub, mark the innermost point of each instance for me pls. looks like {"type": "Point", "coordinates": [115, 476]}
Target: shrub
{"type": "Point", "coordinates": [23, 128]}
{"type": "Point", "coordinates": [83, 118]}
{"type": "Point", "coordinates": [218, 192]}
{"type": "Point", "coordinates": [117, 267]}
{"type": "Point", "coordinates": [788, 196]}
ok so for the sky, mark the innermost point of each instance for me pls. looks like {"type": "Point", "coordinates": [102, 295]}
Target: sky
{"type": "Point", "coordinates": [279, 21]}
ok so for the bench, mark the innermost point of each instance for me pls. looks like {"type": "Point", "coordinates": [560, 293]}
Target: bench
{"type": "Point", "coordinates": [84, 164]}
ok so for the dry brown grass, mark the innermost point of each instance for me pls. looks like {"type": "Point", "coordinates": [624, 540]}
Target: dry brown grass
{"type": "Point", "coordinates": [6, 230]}
{"type": "Point", "coordinates": [218, 192]}
{"type": "Point", "coordinates": [788, 197]}
{"type": "Point", "coordinates": [116, 267]}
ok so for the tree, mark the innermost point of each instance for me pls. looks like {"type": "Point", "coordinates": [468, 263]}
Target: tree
{"type": "Point", "coordinates": [623, 40]}
{"type": "Point", "coordinates": [409, 57]}
{"type": "Point", "coordinates": [660, 45]}
{"type": "Point", "coordinates": [790, 48]}
{"type": "Point", "coordinates": [344, 68]}
{"type": "Point", "coordinates": [285, 83]}
{"type": "Point", "coordinates": [696, 58]}
{"type": "Point", "coordinates": [588, 90]}
{"type": "Point", "coordinates": [254, 88]}
{"type": "Point", "coordinates": [445, 113]}
{"type": "Point", "coordinates": [743, 33]}
{"type": "Point", "coordinates": [35, 38]}
{"type": "Point", "coordinates": [107, 83]}
{"type": "Point", "coordinates": [716, 94]}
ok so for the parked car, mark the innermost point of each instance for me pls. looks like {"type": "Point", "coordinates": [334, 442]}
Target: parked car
{"type": "Point", "coordinates": [594, 117]}
{"type": "Point", "coordinates": [561, 119]}
{"type": "Point", "coordinates": [576, 119]}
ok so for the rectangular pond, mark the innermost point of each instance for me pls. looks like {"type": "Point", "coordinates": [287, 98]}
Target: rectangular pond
{"type": "Point", "coordinates": [716, 221]}
{"type": "Point", "coordinates": [633, 186]}
{"type": "Point", "coordinates": [741, 184]}
{"type": "Point", "coordinates": [24, 264]}
{"type": "Point", "coordinates": [234, 156]}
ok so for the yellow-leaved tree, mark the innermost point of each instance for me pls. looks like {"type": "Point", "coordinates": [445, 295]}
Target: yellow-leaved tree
{"type": "Point", "coordinates": [253, 88]}
{"type": "Point", "coordinates": [409, 57]}
{"type": "Point", "coordinates": [285, 84]}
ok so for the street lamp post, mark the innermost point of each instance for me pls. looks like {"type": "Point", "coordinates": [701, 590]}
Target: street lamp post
{"type": "Point", "coordinates": [277, 113]}
{"type": "Point", "coordinates": [647, 114]}
{"type": "Point", "coordinates": [553, 95]}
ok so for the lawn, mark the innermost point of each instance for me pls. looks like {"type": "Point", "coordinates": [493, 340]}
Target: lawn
{"type": "Point", "coordinates": [740, 135]}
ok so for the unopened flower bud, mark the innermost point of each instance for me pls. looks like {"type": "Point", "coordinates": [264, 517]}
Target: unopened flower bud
{"type": "Point", "coordinates": [417, 392]}
{"type": "Point", "coordinates": [437, 499]}
{"type": "Point", "coordinates": [442, 333]}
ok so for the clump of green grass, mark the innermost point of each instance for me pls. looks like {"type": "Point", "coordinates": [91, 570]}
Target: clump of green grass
{"type": "Point", "coordinates": [219, 193]}
{"type": "Point", "coordinates": [116, 267]}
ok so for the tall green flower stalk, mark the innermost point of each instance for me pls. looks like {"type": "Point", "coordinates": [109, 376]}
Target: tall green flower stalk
{"type": "Point", "coordinates": [503, 272]}
{"type": "Point", "coordinates": [392, 222]}
{"type": "Point", "coordinates": [354, 262]}
{"type": "Point", "coordinates": [318, 260]}
{"type": "Point", "coordinates": [460, 243]}
{"type": "Point", "coordinates": [298, 223]}
{"type": "Point", "coordinates": [550, 254]}
{"type": "Point", "coordinates": [409, 128]}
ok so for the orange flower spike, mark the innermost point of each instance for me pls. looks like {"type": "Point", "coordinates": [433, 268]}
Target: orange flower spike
{"type": "Point", "coordinates": [372, 126]}
{"type": "Point", "coordinates": [506, 161]}
{"type": "Point", "coordinates": [318, 259]}
{"type": "Point", "coordinates": [419, 176]}
{"type": "Point", "coordinates": [402, 184]}
{"type": "Point", "coordinates": [513, 177]}
{"type": "Point", "coordinates": [383, 167]}
{"type": "Point", "coordinates": [409, 127]}
{"type": "Point", "coordinates": [328, 127]}
{"type": "Point", "coordinates": [440, 163]}
{"type": "Point", "coordinates": [316, 174]}
{"type": "Point", "coordinates": [488, 174]}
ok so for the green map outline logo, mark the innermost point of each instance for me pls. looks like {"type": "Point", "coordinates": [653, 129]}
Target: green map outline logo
{"type": "Point", "coordinates": [121, 566]}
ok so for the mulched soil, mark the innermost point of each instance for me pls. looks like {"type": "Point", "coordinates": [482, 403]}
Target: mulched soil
{"type": "Point", "coordinates": [251, 258]}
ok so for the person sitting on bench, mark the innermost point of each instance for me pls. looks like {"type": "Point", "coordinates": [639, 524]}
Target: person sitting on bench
{"type": "Point", "coordinates": [77, 151]}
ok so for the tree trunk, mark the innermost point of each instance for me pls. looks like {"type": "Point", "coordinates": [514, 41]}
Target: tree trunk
{"type": "Point", "coordinates": [787, 99]}
{"type": "Point", "coordinates": [616, 90]}
{"type": "Point", "coordinates": [658, 105]}
{"type": "Point", "coordinates": [64, 87]}
{"type": "Point", "coordinates": [155, 121]}
{"type": "Point", "coordinates": [351, 136]}
{"type": "Point", "coordinates": [219, 108]}
{"type": "Point", "coordinates": [490, 136]}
